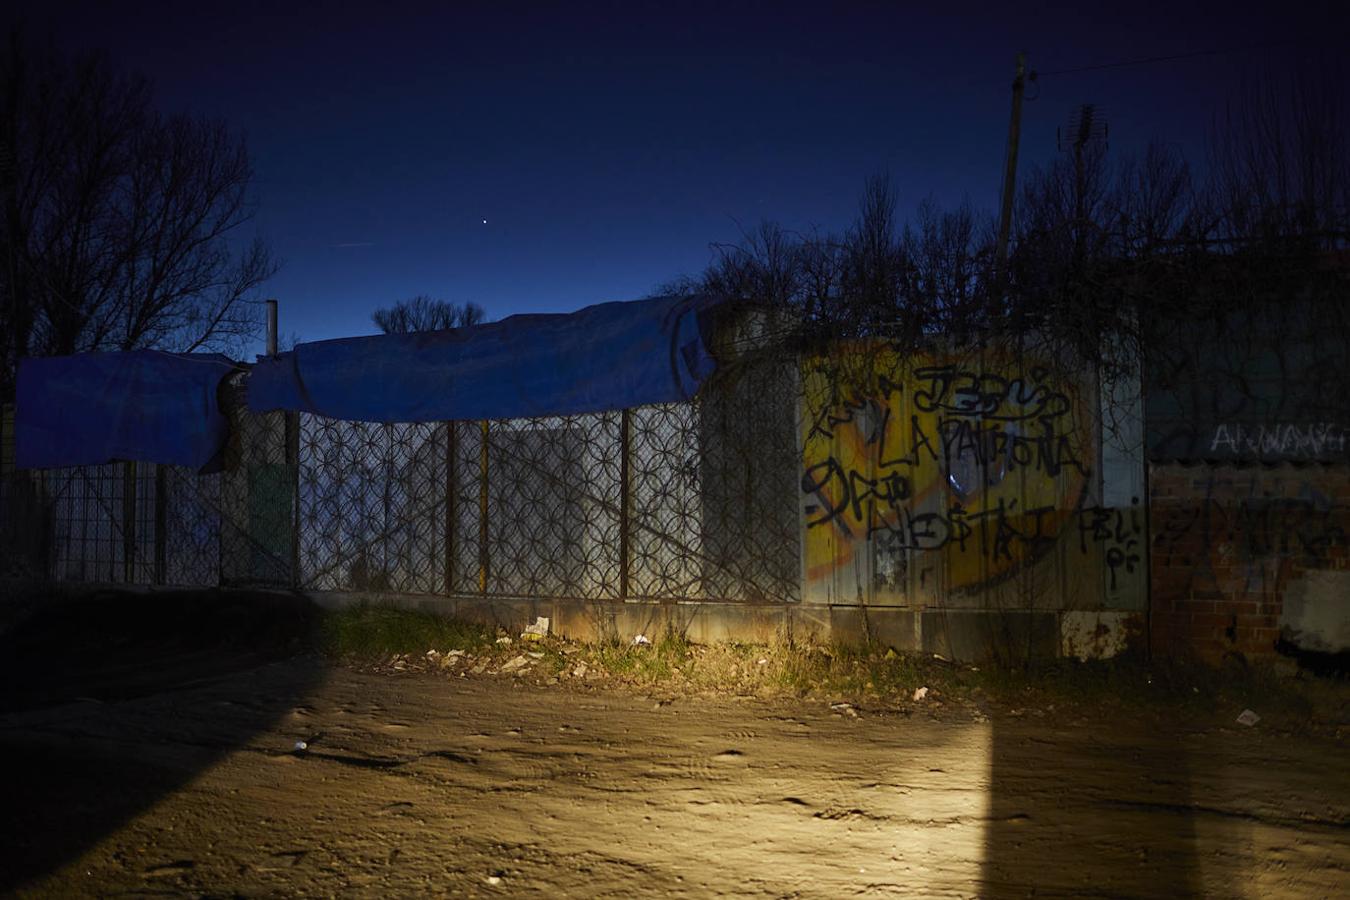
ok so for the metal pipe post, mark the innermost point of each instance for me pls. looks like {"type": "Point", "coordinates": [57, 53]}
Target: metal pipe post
{"type": "Point", "coordinates": [271, 328]}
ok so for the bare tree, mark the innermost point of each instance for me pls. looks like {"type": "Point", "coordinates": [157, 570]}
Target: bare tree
{"type": "Point", "coordinates": [1111, 256]}
{"type": "Point", "coordinates": [423, 313]}
{"type": "Point", "coordinates": [122, 226]}
{"type": "Point", "coordinates": [1280, 160]}
{"type": "Point", "coordinates": [948, 255]}
{"type": "Point", "coordinates": [874, 269]}
{"type": "Point", "coordinates": [905, 282]}
{"type": "Point", "coordinates": [1208, 286]}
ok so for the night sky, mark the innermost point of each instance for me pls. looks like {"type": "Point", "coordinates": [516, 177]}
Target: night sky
{"type": "Point", "coordinates": [606, 145]}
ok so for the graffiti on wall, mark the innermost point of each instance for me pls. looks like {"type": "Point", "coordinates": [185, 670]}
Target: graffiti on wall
{"type": "Point", "coordinates": [1245, 523]}
{"type": "Point", "coordinates": [1314, 440]}
{"type": "Point", "coordinates": [950, 469]}
{"type": "Point", "coordinates": [1243, 555]}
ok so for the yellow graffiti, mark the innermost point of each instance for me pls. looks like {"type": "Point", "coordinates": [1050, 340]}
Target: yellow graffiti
{"type": "Point", "coordinates": [967, 466]}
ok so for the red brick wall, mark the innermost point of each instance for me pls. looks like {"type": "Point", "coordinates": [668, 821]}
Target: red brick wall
{"type": "Point", "coordinates": [1227, 541]}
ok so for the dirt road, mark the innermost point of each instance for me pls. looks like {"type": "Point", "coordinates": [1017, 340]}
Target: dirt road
{"type": "Point", "coordinates": [493, 786]}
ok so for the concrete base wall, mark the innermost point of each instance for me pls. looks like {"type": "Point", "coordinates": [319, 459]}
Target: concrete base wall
{"type": "Point", "coordinates": [963, 635]}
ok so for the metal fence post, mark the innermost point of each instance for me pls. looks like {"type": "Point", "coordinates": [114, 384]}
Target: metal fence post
{"type": "Point", "coordinates": [625, 494]}
{"type": "Point", "coordinates": [451, 431]}
{"type": "Point", "coordinates": [387, 568]}
{"type": "Point", "coordinates": [484, 559]}
{"type": "Point", "coordinates": [293, 461]}
{"type": "Point", "coordinates": [235, 452]}
{"type": "Point", "coordinates": [161, 522]}
{"type": "Point", "coordinates": [129, 522]}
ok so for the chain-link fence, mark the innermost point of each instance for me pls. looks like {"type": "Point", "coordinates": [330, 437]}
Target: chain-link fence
{"type": "Point", "coordinates": [693, 501]}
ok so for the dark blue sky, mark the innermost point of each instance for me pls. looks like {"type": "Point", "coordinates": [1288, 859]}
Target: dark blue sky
{"type": "Point", "coordinates": [607, 145]}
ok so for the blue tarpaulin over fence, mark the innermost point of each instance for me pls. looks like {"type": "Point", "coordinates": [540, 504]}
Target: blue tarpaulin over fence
{"type": "Point", "coordinates": [144, 405]}
{"type": "Point", "coordinates": [604, 357]}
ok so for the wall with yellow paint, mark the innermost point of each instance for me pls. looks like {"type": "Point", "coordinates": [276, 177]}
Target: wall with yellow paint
{"type": "Point", "coordinates": [968, 480]}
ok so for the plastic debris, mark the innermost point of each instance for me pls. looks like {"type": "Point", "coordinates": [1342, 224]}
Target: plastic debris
{"type": "Point", "coordinates": [920, 693]}
{"type": "Point", "coordinates": [494, 880]}
{"type": "Point", "coordinates": [504, 640]}
{"type": "Point", "coordinates": [640, 639]}
{"type": "Point", "coordinates": [1248, 718]}
{"type": "Point", "coordinates": [844, 709]}
{"type": "Point", "coordinates": [537, 631]}
{"type": "Point", "coordinates": [579, 671]}
{"type": "Point", "coordinates": [511, 665]}
{"type": "Point", "coordinates": [301, 746]}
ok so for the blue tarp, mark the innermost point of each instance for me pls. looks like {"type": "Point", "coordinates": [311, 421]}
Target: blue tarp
{"type": "Point", "coordinates": [143, 405]}
{"type": "Point", "coordinates": [604, 357]}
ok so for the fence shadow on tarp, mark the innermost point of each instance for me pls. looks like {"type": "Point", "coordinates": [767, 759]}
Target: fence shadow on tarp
{"type": "Point", "coordinates": [112, 702]}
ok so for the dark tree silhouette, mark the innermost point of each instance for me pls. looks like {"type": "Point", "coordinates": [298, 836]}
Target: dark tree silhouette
{"type": "Point", "coordinates": [123, 227]}
{"type": "Point", "coordinates": [423, 313]}
{"type": "Point", "coordinates": [1104, 248]}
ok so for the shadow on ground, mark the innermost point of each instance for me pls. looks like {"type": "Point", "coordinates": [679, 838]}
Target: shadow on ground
{"type": "Point", "coordinates": [91, 689]}
{"type": "Point", "coordinates": [1089, 813]}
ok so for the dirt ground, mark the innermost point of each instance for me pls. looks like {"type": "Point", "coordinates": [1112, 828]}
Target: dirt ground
{"type": "Point", "coordinates": [498, 785]}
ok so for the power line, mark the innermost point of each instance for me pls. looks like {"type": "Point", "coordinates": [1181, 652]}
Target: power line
{"type": "Point", "coordinates": [1155, 59]}
{"type": "Point", "coordinates": [1140, 61]}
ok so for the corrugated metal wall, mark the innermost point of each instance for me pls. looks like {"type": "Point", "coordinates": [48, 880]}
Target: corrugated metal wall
{"type": "Point", "coordinates": [966, 481]}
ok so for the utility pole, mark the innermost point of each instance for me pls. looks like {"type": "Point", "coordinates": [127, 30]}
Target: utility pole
{"type": "Point", "coordinates": [271, 328]}
{"type": "Point", "coordinates": [1010, 172]}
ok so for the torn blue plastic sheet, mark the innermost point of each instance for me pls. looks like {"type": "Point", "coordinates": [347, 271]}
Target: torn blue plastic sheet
{"type": "Point", "coordinates": [142, 405]}
{"type": "Point", "coordinates": [604, 357]}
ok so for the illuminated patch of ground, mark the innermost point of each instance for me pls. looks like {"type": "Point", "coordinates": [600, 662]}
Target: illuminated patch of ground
{"type": "Point", "coordinates": [495, 785]}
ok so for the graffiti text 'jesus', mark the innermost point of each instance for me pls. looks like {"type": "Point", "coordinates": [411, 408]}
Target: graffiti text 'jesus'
{"type": "Point", "coordinates": [959, 391]}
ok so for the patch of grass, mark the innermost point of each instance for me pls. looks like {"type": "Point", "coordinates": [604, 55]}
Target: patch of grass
{"type": "Point", "coordinates": [1172, 690]}
{"type": "Point", "coordinates": [644, 663]}
{"type": "Point", "coordinates": [370, 631]}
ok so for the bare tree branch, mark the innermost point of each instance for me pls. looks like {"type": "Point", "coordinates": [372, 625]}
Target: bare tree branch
{"type": "Point", "coordinates": [123, 226]}
{"type": "Point", "coordinates": [423, 313]}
